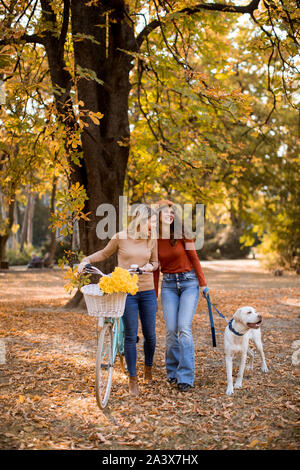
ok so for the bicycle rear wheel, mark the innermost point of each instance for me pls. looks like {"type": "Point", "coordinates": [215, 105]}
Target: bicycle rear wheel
{"type": "Point", "coordinates": [104, 365]}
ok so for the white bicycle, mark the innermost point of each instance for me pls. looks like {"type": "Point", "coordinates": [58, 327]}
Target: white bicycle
{"type": "Point", "coordinates": [108, 309]}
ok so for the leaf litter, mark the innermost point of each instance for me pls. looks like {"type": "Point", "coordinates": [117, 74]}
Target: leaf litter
{"type": "Point", "coordinates": [47, 382]}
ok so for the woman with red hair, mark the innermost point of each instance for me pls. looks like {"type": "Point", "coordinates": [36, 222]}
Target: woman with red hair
{"type": "Point", "coordinates": [183, 279]}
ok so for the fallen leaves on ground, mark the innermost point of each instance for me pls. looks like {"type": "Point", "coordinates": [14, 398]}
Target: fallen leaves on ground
{"type": "Point", "coordinates": [47, 383]}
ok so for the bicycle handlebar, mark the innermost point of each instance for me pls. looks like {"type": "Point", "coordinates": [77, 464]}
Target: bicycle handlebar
{"type": "Point", "coordinates": [90, 269]}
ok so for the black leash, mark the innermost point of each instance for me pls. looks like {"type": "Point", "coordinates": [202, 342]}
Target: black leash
{"type": "Point", "coordinates": [210, 313]}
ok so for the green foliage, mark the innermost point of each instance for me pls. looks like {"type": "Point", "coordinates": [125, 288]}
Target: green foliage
{"type": "Point", "coordinates": [40, 222]}
{"type": "Point", "coordinates": [16, 257]}
{"type": "Point", "coordinates": [229, 129]}
{"type": "Point", "coordinates": [182, 110]}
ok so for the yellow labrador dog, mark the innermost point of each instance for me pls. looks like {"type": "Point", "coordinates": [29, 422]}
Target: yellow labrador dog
{"type": "Point", "coordinates": [244, 325]}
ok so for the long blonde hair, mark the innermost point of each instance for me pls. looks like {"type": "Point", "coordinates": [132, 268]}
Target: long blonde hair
{"type": "Point", "coordinates": [141, 213]}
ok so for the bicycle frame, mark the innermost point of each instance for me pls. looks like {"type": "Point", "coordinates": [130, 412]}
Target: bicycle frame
{"type": "Point", "coordinates": [118, 337]}
{"type": "Point", "coordinates": [114, 327]}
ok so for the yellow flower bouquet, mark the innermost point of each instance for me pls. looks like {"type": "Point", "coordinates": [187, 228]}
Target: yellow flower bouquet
{"type": "Point", "coordinates": [120, 281]}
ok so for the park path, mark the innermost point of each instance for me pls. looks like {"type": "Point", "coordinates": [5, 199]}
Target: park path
{"type": "Point", "coordinates": [47, 359]}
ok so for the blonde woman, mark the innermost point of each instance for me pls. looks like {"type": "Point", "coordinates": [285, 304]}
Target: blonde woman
{"type": "Point", "coordinates": [136, 248]}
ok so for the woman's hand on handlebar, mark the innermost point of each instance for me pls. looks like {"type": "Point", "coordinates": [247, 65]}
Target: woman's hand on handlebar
{"type": "Point", "coordinates": [134, 268]}
{"type": "Point", "coordinates": [81, 266]}
{"type": "Point", "coordinates": [148, 267]}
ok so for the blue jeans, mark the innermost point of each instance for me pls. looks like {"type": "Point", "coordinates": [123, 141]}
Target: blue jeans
{"type": "Point", "coordinates": [179, 296]}
{"type": "Point", "coordinates": [141, 304]}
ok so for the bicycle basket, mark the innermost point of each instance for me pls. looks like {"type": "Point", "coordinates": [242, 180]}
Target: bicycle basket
{"type": "Point", "coordinates": [103, 305]}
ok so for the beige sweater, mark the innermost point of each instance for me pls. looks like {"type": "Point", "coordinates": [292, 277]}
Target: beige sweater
{"type": "Point", "coordinates": [130, 251]}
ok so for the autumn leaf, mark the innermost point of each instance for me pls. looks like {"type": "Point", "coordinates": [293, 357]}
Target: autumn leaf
{"type": "Point", "coordinates": [253, 443]}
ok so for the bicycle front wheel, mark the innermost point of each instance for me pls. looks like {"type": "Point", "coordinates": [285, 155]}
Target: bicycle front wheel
{"type": "Point", "coordinates": [104, 365]}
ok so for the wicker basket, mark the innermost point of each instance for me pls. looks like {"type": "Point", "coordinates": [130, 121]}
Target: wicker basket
{"type": "Point", "coordinates": [103, 305]}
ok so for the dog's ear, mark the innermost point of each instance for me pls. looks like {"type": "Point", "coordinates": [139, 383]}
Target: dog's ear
{"type": "Point", "coordinates": [237, 314]}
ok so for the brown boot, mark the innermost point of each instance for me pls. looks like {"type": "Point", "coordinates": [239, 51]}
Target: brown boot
{"type": "Point", "coordinates": [133, 386]}
{"type": "Point", "coordinates": [148, 374]}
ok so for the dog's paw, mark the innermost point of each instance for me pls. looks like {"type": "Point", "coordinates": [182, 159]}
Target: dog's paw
{"type": "Point", "coordinates": [264, 368]}
{"type": "Point", "coordinates": [238, 384]}
{"type": "Point", "coordinates": [230, 390]}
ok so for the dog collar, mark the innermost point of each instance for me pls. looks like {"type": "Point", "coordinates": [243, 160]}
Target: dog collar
{"type": "Point", "coordinates": [233, 330]}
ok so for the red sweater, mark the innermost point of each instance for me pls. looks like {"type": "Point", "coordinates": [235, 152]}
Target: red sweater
{"type": "Point", "coordinates": [177, 259]}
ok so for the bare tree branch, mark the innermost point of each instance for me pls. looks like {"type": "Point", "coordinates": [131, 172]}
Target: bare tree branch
{"type": "Point", "coordinates": [28, 38]}
{"type": "Point", "coordinates": [64, 28]}
{"type": "Point", "coordinates": [250, 8]}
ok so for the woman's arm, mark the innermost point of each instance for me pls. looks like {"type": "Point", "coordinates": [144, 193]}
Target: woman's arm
{"type": "Point", "coordinates": [153, 261]}
{"type": "Point", "coordinates": [101, 255]}
{"type": "Point", "coordinates": [154, 256]}
{"type": "Point", "coordinates": [193, 257]}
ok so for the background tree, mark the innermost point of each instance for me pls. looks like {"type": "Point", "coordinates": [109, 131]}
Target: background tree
{"type": "Point", "coordinates": [229, 144]}
{"type": "Point", "coordinates": [31, 158]}
{"type": "Point", "coordinates": [95, 48]}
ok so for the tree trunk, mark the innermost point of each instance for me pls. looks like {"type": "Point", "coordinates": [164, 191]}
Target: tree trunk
{"type": "Point", "coordinates": [27, 228]}
{"type": "Point", "coordinates": [4, 238]}
{"type": "Point", "coordinates": [31, 203]}
{"type": "Point", "coordinates": [14, 237]}
{"type": "Point", "coordinates": [49, 259]}
{"type": "Point", "coordinates": [104, 159]}
{"type": "Point", "coordinates": [103, 167]}
{"type": "Point", "coordinates": [24, 227]}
